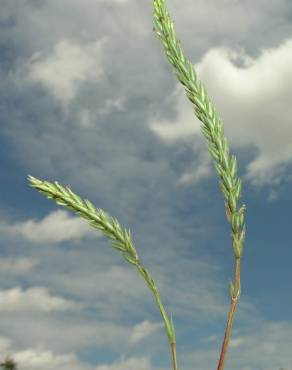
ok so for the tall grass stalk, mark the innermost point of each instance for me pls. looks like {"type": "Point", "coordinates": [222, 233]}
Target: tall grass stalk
{"type": "Point", "coordinates": [212, 129]}
{"type": "Point", "coordinates": [225, 166]}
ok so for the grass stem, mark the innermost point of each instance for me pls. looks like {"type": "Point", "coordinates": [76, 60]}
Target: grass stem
{"type": "Point", "coordinates": [111, 228]}
{"type": "Point", "coordinates": [174, 360]}
{"type": "Point", "coordinates": [233, 304]}
{"type": "Point", "coordinates": [218, 146]}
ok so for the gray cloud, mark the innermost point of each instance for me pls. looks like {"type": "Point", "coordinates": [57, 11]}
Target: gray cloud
{"type": "Point", "coordinates": [17, 266]}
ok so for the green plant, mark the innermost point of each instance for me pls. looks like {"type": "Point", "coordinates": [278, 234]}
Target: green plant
{"type": "Point", "coordinates": [8, 364]}
{"type": "Point", "coordinates": [225, 166]}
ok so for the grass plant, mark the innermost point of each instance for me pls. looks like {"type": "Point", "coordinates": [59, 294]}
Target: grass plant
{"type": "Point", "coordinates": [8, 364]}
{"type": "Point", "coordinates": [225, 166]}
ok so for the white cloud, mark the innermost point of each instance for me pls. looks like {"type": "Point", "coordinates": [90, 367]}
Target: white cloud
{"type": "Point", "coordinates": [87, 118]}
{"type": "Point", "coordinates": [112, 103]}
{"type": "Point", "coordinates": [201, 170]}
{"type": "Point", "coordinates": [120, 1]}
{"type": "Point", "coordinates": [236, 342]}
{"type": "Point", "coordinates": [184, 128]}
{"type": "Point", "coordinates": [264, 346]}
{"type": "Point", "coordinates": [210, 338]}
{"type": "Point", "coordinates": [41, 359]}
{"type": "Point", "coordinates": [44, 359]}
{"type": "Point", "coordinates": [132, 363]}
{"type": "Point", "coordinates": [36, 298]}
{"type": "Point", "coordinates": [254, 103]}
{"type": "Point", "coordinates": [17, 265]}
{"type": "Point", "coordinates": [69, 65]}
{"type": "Point", "coordinates": [56, 227]}
{"type": "Point", "coordinates": [142, 330]}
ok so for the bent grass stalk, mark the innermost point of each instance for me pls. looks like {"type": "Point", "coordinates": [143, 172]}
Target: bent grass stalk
{"type": "Point", "coordinates": [121, 239]}
{"type": "Point", "coordinates": [225, 166]}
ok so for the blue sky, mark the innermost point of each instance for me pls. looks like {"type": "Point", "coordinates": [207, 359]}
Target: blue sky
{"type": "Point", "coordinates": [88, 98]}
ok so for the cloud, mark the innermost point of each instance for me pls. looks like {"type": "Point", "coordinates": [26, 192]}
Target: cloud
{"type": "Point", "coordinates": [183, 128]}
{"type": "Point", "coordinates": [264, 346]}
{"type": "Point", "coordinates": [68, 66]}
{"type": "Point", "coordinates": [5, 344]}
{"type": "Point", "coordinates": [41, 359]}
{"type": "Point", "coordinates": [236, 342]}
{"type": "Point", "coordinates": [143, 330]}
{"type": "Point", "coordinates": [44, 359]}
{"type": "Point", "coordinates": [254, 102]}
{"type": "Point", "coordinates": [17, 266]}
{"type": "Point", "coordinates": [33, 299]}
{"type": "Point", "coordinates": [200, 170]}
{"type": "Point", "coordinates": [56, 227]}
{"type": "Point", "coordinates": [65, 331]}
{"type": "Point", "coordinates": [210, 338]}
{"type": "Point", "coordinates": [132, 363]}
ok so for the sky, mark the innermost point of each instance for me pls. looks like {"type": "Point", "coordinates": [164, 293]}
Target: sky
{"type": "Point", "coordinates": [88, 99]}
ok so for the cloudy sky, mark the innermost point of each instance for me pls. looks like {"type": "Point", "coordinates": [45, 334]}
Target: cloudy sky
{"type": "Point", "coordinates": [88, 98]}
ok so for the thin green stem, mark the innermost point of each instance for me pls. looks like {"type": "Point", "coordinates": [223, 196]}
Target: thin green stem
{"type": "Point", "coordinates": [168, 327]}
{"type": "Point", "coordinates": [120, 239]}
{"type": "Point", "coordinates": [168, 324]}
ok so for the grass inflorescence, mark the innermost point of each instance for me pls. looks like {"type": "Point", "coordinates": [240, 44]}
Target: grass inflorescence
{"type": "Point", "coordinates": [225, 166]}
{"type": "Point", "coordinates": [218, 147]}
{"type": "Point", "coordinates": [211, 127]}
{"type": "Point", "coordinates": [121, 239]}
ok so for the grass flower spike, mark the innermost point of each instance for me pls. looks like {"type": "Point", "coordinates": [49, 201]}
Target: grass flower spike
{"type": "Point", "coordinates": [212, 129]}
{"type": "Point", "coordinates": [121, 240]}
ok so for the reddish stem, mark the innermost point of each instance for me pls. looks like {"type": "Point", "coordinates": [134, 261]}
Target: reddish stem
{"type": "Point", "coordinates": [174, 360]}
{"type": "Point", "coordinates": [233, 305]}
